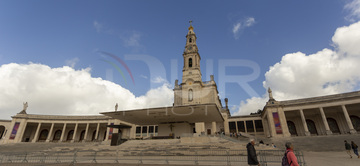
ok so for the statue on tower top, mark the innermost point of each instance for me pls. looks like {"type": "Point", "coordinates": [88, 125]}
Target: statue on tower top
{"type": "Point", "coordinates": [25, 105]}
{"type": "Point", "coordinates": [271, 98]}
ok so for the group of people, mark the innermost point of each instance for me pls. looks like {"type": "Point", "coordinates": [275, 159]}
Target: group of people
{"type": "Point", "coordinates": [289, 156]}
{"type": "Point", "coordinates": [352, 146]}
{"type": "Point", "coordinates": [235, 134]}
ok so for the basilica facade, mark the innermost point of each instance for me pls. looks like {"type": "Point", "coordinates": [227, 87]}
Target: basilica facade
{"type": "Point", "coordinates": [197, 111]}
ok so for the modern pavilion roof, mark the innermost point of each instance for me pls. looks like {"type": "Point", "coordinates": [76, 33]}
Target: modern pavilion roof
{"type": "Point", "coordinates": [174, 114]}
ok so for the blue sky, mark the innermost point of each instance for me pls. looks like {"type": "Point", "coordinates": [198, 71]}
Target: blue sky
{"type": "Point", "coordinates": [142, 33]}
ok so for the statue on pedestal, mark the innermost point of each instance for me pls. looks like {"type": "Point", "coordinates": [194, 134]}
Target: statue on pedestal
{"type": "Point", "coordinates": [271, 98]}
{"type": "Point", "coordinates": [25, 105]}
{"type": "Point", "coordinates": [116, 107]}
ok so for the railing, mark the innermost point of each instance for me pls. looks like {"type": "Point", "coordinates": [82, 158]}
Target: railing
{"type": "Point", "coordinates": [184, 157]}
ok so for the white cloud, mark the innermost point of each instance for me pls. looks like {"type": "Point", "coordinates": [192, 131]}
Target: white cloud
{"type": "Point", "coordinates": [98, 26]}
{"type": "Point", "coordinates": [354, 9]}
{"type": "Point", "coordinates": [131, 39]}
{"type": "Point", "coordinates": [143, 76]}
{"type": "Point", "coordinates": [347, 39]}
{"type": "Point", "coordinates": [250, 21]}
{"type": "Point", "coordinates": [329, 71]}
{"type": "Point", "coordinates": [159, 80]}
{"type": "Point", "coordinates": [239, 26]}
{"type": "Point", "coordinates": [236, 28]}
{"type": "Point", "coordinates": [65, 91]}
{"type": "Point", "coordinates": [72, 62]}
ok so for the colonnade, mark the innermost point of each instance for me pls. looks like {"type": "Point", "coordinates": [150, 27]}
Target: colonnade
{"type": "Point", "coordinates": [314, 117]}
{"type": "Point", "coordinates": [72, 132]}
{"type": "Point", "coordinates": [325, 121]}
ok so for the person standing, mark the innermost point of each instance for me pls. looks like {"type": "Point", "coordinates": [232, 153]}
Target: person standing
{"type": "Point", "coordinates": [251, 152]}
{"type": "Point", "coordinates": [355, 148]}
{"type": "Point", "coordinates": [348, 148]}
{"type": "Point", "coordinates": [291, 158]}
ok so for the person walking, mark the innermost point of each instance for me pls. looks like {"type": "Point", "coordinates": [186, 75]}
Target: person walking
{"type": "Point", "coordinates": [251, 152]}
{"type": "Point", "coordinates": [291, 158]}
{"type": "Point", "coordinates": [348, 148]}
{"type": "Point", "coordinates": [355, 148]}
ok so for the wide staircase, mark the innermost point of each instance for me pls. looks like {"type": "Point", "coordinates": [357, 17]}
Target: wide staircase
{"type": "Point", "coordinates": [185, 151]}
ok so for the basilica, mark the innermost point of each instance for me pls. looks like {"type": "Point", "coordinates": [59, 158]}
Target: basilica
{"type": "Point", "coordinates": [197, 111]}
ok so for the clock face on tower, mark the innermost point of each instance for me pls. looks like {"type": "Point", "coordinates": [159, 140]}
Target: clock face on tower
{"type": "Point", "coordinates": [189, 48]}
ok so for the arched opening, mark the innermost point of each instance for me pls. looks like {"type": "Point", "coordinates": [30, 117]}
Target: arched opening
{"type": "Point", "coordinates": [333, 125]}
{"type": "Point", "coordinates": [190, 40]}
{"type": "Point", "coordinates": [82, 135]}
{"type": "Point", "coordinates": [355, 122]}
{"type": "Point", "coordinates": [93, 135]}
{"type": "Point", "coordinates": [190, 95]}
{"type": "Point", "coordinates": [292, 128]}
{"type": "Point", "coordinates": [311, 126]}
{"type": "Point", "coordinates": [70, 135]}
{"type": "Point", "coordinates": [190, 62]}
{"type": "Point", "coordinates": [2, 131]}
{"type": "Point", "coordinates": [57, 135]}
{"type": "Point", "coordinates": [43, 134]}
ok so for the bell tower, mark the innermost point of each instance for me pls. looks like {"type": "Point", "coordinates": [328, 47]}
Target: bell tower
{"type": "Point", "coordinates": [191, 69]}
{"type": "Point", "coordinates": [192, 90]}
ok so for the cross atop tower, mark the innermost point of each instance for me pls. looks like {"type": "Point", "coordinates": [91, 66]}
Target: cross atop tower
{"type": "Point", "coordinates": [190, 22]}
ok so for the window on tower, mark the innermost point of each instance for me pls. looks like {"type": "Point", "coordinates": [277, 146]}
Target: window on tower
{"type": "Point", "coordinates": [190, 95]}
{"type": "Point", "coordinates": [190, 62]}
{"type": "Point", "coordinates": [190, 40]}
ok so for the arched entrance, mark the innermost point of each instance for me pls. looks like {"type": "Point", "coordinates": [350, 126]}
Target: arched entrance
{"type": "Point", "coordinates": [333, 125]}
{"type": "Point", "coordinates": [2, 131]}
{"type": "Point", "coordinates": [70, 135]}
{"type": "Point", "coordinates": [82, 135]}
{"type": "Point", "coordinates": [292, 128]}
{"type": "Point", "coordinates": [43, 135]}
{"type": "Point", "coordinates": [355, 122]}
{"type": "Point", "coordinates": [311, 126]}
{"type": "Point", "coordinates": [57, 135]}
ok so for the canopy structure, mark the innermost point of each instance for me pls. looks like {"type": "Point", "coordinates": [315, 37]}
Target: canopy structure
{"type": "Point", "coordinates": [122, 126]}
{"type": "Point", "coordinates": [175, 114]}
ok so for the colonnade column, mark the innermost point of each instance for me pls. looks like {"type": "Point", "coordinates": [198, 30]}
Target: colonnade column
{"type": "Point", "coordinates": [265, 126]}
{"type": "Point", "coordinates": [213, 128]}
{"type": "Point", "coordinates": [327, 128]}
{"type": "Point", "coordinates": [236, 127]}
{"type": "Point", "coordinates": [272, 129]}
{"type": "Point", "coordinates": [63, 133]}
{"type": "Point", "coordinates": [348, 120]}
{"type": "Point", "coordinates": [86, 132]}
{"type": "Point", "coordinates": [226, 125]}
{"type": "Point", "coordinates": [97, 131]}
{"type": "Point", "coordinates": [107, 132]}
{"type": "Point", "coordinates": [49, 134]}
{"type": "Point", "coordinates": [254, 126]}
{"type": "Point", "coordinates": [37, 133]}
{"type": "Point", "coordinates": [283, 122]}
{"type": "Point", "coordinates": [75, 131]}
{"type": "Point", "coordinates": [307, 133]}
{"type": "Point", "coordinates": [245, 126]}
{"type": "Point", "coordinates": [21, 130]}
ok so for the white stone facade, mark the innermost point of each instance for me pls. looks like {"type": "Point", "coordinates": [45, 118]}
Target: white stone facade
{"type": "Point", "coordinates": [325, 115]}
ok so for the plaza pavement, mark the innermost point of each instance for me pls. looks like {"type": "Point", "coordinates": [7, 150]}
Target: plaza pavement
{"type": "Point", "coordinates": [318, 150]}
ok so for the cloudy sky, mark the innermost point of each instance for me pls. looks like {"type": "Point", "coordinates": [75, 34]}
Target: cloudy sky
{"type": "Point", "coordinates": [81, 57]}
